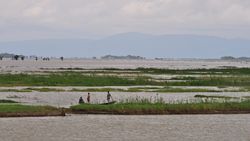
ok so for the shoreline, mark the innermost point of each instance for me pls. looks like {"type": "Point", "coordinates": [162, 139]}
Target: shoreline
{"type": "Point", "coordinates": [20, 115]}
{"type": "Point", "coordinates": [145, 108]}
{"type": "Point", "coordinates": [68, 111]}
{"type": "Point", "coordinates": [160, 113]}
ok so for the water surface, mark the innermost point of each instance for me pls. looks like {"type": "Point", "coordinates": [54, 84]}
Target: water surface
{"type": "Point", "coordinates": [132, 128]}
{"type": "Point", "coordinates": [66, 99]}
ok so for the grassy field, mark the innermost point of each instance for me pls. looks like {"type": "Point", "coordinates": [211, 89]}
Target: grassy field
{"type": "Point", "coordinates": [77, 79]}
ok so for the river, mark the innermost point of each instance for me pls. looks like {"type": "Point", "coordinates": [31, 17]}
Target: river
{"type": "Point", "coordinates": [67, 99]}
{"type": "Point", "coordinates": [132, 128]}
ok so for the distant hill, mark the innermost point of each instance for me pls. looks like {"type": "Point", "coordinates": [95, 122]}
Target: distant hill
{"type": "Point", "coordinates": [150, 46]}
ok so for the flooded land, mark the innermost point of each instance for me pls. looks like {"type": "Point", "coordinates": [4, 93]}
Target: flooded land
{"type": "Point", "coordinates": [61, 83]}
{"type": "Point", "coordinates": [32, 65]}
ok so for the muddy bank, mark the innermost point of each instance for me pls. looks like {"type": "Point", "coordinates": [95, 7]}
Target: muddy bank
{"type": "Point", "coordinates": [52, 114]}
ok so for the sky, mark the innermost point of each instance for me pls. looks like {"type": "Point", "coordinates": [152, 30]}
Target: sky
{"type": "Point", "coordinates": [44, 19]}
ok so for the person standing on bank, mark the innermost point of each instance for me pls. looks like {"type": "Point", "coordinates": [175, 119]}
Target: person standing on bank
{"type": "Point", "coordinates": [109, 97]}
{"type": "Point", "coordinates": [88, 98]}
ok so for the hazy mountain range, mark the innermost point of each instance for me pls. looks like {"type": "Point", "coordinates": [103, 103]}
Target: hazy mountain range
{"type": "Point", "coordinates": [150, 46]}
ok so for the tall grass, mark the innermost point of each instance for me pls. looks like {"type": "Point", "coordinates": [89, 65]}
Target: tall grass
{"type": "Point", "coordinates": [162, 108]}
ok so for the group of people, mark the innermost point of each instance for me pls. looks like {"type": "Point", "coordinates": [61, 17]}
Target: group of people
{"type": "Point", "coordinates": [109, 98]}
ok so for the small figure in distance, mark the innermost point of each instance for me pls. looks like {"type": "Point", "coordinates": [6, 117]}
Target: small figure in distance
{"type": "Point", "coordinates": [109, 97]}
{"type": "Point", "coordinates": [88, 98]}
{"type": "Point", "coordinates": [81, 100]}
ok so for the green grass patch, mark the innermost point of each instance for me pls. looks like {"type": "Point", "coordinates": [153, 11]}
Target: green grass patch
{"type": "Point", "coordinates": [18, 110]}
{"type": "Point", "coordinates": [162, 108]}
{"type": "Point", "coordinates": [231, 77]}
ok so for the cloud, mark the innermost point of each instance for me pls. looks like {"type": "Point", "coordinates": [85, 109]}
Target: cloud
{"type": "Point", "coordinates": [97, 17]}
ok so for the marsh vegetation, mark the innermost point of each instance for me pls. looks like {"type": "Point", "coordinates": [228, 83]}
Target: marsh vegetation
{"type": "Point", "coordinates": [165, 78]}
{"type": "Point", "coordinates": [146, 106]}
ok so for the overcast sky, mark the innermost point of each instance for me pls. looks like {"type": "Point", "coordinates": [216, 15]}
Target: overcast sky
{"type": "Point", "coordinates": [37, 19]}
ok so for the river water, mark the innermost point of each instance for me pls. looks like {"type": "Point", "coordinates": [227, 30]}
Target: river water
{"type": "Point", "coordinates": [67, 99]}
{"type": "Point", "coordinates": [132, 128]}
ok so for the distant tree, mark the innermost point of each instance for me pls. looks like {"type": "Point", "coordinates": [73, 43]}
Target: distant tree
{"type": "Point", "coordinates": [61, 58]}
{"type": "Point", "coordinates": [22, 57]}
{"type": "Point", "coordinates": [16, 57]}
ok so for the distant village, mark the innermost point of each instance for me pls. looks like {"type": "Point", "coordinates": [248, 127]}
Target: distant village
{"type": "Point", "coordinates": [22, 57]}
